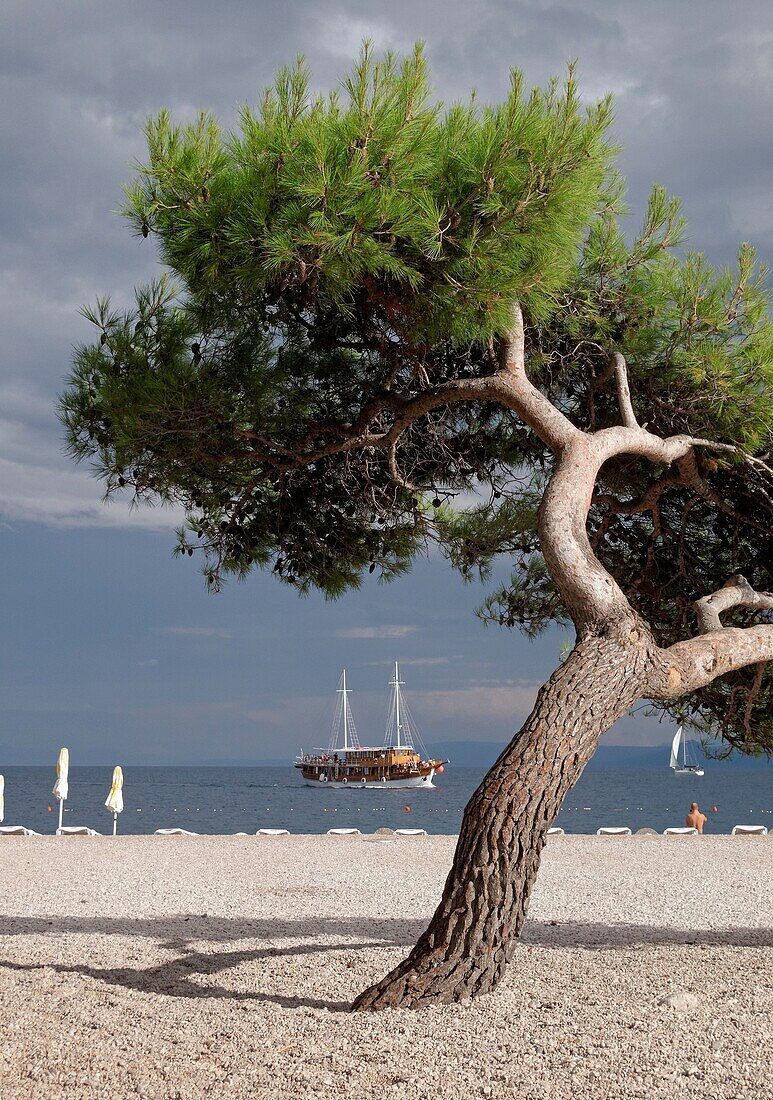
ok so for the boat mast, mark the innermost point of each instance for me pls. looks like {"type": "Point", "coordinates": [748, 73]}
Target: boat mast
{"type": "Point", "coordinates": [396, 683]}
{"type": "Point", "coordinates": [344, 692]}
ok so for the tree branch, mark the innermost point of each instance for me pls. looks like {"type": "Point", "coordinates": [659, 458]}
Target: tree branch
{"type": "Point", "coordinates": [623, 391]}
{"type": "Point", "coordinates": [590, 593]}
{"type": "Point", "coordinates": [730, 448]}
{"type": "Point", "coordinates": [513, 387]}
{"type": "Point", "coordinates": [737, 592]}
{"type": "Point", "coordinates": [394, 471]}
{"type": "Point", "coordinates": [717, 650]}
{"type": "Point", "coordinates": [696, 662]}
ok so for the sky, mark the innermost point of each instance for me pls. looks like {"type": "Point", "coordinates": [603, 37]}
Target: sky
{"type": "Point", "coordinates": [109, 645]}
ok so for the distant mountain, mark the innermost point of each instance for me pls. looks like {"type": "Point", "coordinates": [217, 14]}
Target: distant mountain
{"type": "Point", "coordinates": [482, 754]}
{"type": "Point", "coordinates": [461, 754]}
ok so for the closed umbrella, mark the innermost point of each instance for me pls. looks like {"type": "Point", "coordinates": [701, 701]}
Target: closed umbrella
{"type": "Point", "coordinates": [114, 801]}
{"type": "Point", "coordinates": [2, 798]}
{"type": "Point", "coordinates": [61, 788]}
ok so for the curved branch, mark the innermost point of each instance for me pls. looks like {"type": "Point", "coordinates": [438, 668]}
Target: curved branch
{"type": "Point", "coordinates": [688, 476]}
{"type": "Point", "coordinates": [394, 471]}
{"type": "Point", "coordinates": [691, 477]}
{"type": "Point", "coordinates": [717, 650]}
{"type": "Point", "coordinates": [589, 591]}
{"type": "Point", "coordinates": [696, 662]}
{"type": "Point", "coordinates": [737, 592]}
{"type": "Point", "coordinates": [358, 436]}
{"type": "Point", "coordinates": [739, 452]}
{"type": "Point", "coordinates": [512, 386]}
{"type": "Point", "coordinates": [509, 385]}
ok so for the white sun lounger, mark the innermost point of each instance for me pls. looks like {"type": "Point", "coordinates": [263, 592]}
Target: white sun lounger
{"type": "Point", "coordinates": [174, 832]}
{"type": "Point", "coordinates": [77, 830]}
{"type": "Point", "coordinates": [682, 830]}
{"type": "Point", "coordinates": [343, 832]}
{"type": "Point", "coordinates": [556, 830]}
{"type": "Point", "coordinates": [273, 832]}
{"type": "Point", "coordinates": [613, 830]}
{"type": "Point", "coordinates": [410, 832]}
{"type": "Point", "coordinates": [16, 830]}
{"type": "Point", "coordinates": [749, 830]}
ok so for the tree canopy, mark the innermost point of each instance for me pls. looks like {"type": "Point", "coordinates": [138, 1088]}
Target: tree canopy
{"type": "Point", "coordinates": [310, 380]}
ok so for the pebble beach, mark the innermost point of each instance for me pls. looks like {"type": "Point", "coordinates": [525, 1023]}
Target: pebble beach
{"type": "Point", "coordinates": [186, 967]}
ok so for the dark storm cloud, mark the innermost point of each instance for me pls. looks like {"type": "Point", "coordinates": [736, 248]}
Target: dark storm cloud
{"type": "Point", "coordinates": [693, 85]}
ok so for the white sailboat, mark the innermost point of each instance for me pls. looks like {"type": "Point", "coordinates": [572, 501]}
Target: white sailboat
{"type": "Point", "coordinates": [402, 761]}
{"type": "Point", "coordinates": [688, 764]}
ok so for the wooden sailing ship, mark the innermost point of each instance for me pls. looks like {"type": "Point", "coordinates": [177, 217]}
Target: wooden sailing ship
{"type": "Point", "coordinates": [401, 762]}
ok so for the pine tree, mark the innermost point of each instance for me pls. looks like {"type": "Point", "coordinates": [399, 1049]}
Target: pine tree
{"type": "Point", "coordinates": [373, 304]}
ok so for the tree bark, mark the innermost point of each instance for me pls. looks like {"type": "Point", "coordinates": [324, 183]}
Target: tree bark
{"type": "Point", "coordinates": [471, 938]}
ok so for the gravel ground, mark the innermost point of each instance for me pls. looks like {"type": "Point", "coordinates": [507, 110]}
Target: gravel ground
{"type": "Point", "coordinates": [221, 967]}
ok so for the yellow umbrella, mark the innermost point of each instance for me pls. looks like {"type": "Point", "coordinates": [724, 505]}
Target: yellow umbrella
{"type": "Point", "coordinates": [61, 788]}
{"type": "Point", "coordinates": [114, 801]}
{"type": "Point", "coordinates": [2, 798]}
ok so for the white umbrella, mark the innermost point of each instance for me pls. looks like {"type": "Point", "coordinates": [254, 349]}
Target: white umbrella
{"type": "Point", "coordinates": [2, 798]}
{"type": "Point", "coordinates": [61, 788]}
{"type": "Point", "coordinates": [114, 801]}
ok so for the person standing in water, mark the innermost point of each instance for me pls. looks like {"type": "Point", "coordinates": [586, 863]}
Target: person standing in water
{"type": "Point", "coordinates": [695, 819]}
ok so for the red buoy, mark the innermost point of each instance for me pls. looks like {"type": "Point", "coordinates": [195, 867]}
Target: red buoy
{"type": "Point", "coordinates": [714, 809]}
{"type": "Point", "coordinates": [407, 809]}
{"type": "Point", "coordinates": [49, 809]}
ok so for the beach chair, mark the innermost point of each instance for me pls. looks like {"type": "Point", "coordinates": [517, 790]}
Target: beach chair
{"type": "Point", "coordinates": [343, 832]}
{"type": "Point", "coordinates": [749, 830]}
{"type": "Point", "coordinates": [77, 830]}
{"type": "Point", "coordinates": [273, 832]}
{"type": "Point", "coordinates": [613, 830]}
{"type": "Point", "coordinates": [646, 832]}
{"type": "Point", "coordinates": [174, 832]}
{"type": "Point", "coordinates": [16, 830]}
{"type": "Point", "coordinates": [556, 830]}
{"type": "Point", "coordinates": [410, 832]}
{"type": "Point", "coordinates": [682, 830]}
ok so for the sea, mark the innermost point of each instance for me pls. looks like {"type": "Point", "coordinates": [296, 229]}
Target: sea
{"type": "Point", "coordinates": [229, 800]}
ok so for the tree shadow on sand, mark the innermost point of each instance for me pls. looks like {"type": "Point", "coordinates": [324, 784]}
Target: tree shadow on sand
{"type": "Point", "coordinates": [188, 935]}
{"type": "Point", "coordinates": [174, 978]}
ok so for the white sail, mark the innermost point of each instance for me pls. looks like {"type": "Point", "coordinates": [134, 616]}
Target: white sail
{"type": "Point", "coordinates": [689, 764]}
{"type": "Point", "coordinates": [689, 754]}
{"type": "Point", "coordinates": [675, 749]}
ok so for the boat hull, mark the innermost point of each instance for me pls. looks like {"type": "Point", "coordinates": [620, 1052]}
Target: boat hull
{"type": "Point", "coordinates": [414, 783]}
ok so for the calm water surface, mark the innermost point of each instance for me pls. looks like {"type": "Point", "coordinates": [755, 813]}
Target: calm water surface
{"type": "Point", "coordinates": [229, 800]}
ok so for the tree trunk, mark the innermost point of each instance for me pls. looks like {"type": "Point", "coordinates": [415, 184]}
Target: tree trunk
{"type": "Point", "coordinates": [472, 936]}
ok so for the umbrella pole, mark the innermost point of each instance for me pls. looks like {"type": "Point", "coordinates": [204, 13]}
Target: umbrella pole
{"type": "Point", "coordinates": [115, 824]}
{"type": "Point", "coordinates": [61, 811]}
